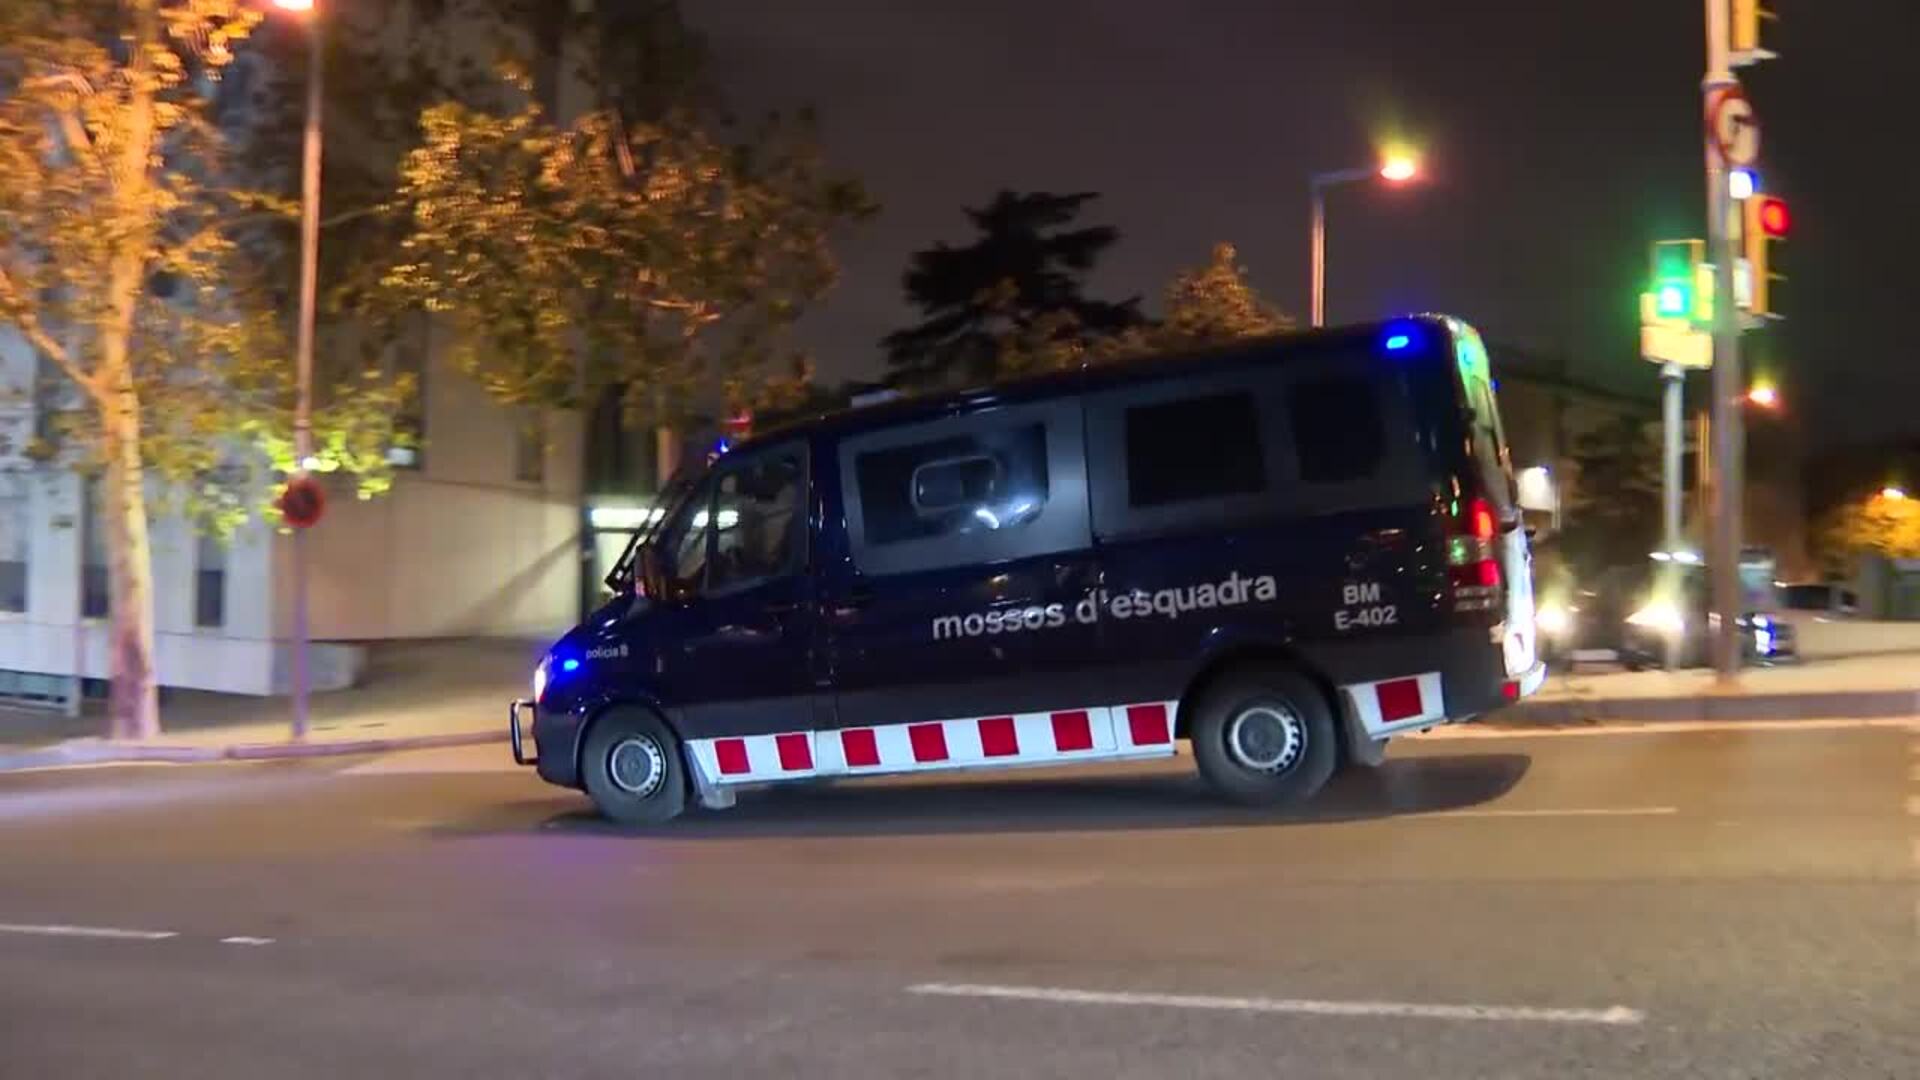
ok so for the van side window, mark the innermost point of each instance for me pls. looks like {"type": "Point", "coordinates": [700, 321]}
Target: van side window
{"type": "Point", "coordinates": [1337, 429]}
{"type": "Point", "coordinates": [1194, 448]}
{"type": "Point", "coordinates": [757, 521]}
{"type": "Point", "coordinates": [981, 482]}
{"type": "Point", "coordinates": [683, 541]}
{"type": "Point", "coordinates": [1007, 482]}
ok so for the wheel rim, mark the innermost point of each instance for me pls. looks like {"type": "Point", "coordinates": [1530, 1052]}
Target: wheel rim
{"type": "Point", "coordinates": [637, 765]}
{"type": "Point", "coordinates": [1267, 738]}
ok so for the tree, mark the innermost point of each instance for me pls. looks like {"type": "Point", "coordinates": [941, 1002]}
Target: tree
{"type": "Point", "coordinates": [1205, 306]}
{"type": "Point", "coordinates": [655, 257]}
{"type": "Point", "coordinates": [1613, 514]}
{"type": "Point", "coordinates": [1021, 279]}
{"type": "Point", "coordinates": [126, 244]}
{"type": "Point", "coordinates": [1874, 524]}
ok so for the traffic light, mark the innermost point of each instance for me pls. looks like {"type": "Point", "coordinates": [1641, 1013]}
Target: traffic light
{"type": "Point", "coordinates": [1676, 279]}
{"type": "Point", "coordinates": [1748, 15]}
{"type": "Point", "coordinates": [1767, 223]}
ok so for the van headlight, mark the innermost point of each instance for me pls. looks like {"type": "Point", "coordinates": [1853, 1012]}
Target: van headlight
{"type": "Point", "coordinates": [1659, 616]}
{"type": "Point", "coordinates": [540, 673]}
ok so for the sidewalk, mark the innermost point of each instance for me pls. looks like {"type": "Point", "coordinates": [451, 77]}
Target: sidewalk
{"type": "Point", "coordinates": [414, 695]}
{"type": "Point", "coordinates": [1860, 686]}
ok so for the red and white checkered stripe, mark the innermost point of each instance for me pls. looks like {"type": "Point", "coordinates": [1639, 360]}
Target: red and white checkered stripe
{"type": "Point", "coordinates": [1101, 733]}
{"type": "Point", "coordinates": [1410, 701]}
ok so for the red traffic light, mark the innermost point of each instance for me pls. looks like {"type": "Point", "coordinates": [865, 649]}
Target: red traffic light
{"type": "Point", "coordinates": [1774, 218]}
{"type": "Point", "coordinates": [302, 502]}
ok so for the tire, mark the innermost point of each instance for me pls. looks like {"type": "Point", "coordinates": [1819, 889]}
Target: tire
{"type": "Point", "coordinates": [633, 768]}
{"type": "Point", "coordinates": [1265, 737]}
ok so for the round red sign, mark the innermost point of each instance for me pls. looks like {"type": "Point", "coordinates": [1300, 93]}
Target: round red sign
{"type": "Point", "coordinates": [302, 502]}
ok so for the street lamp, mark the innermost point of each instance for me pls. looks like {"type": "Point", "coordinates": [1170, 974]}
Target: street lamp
{"type": "Point", "coordinates": [1893, 494]}
{"type": "Point", "coordinates": [303, 348]}
{"type": "Point", "coordinates": [1764, 395]}
{"type": "Point", "coordinates": [1396, 169]}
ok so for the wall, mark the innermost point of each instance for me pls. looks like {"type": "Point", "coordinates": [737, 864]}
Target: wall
{"type": "Point", "coordinates": [459, 547]}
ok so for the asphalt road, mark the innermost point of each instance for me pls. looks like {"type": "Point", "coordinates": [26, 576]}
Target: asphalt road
{"type": "Point", "coordinates": [1708, 903]}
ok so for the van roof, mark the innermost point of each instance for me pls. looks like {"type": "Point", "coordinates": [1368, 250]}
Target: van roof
{"type": "Point", "coordinates": [1076, 380]}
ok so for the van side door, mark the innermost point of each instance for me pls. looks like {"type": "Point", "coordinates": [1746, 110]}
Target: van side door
{"type": "Point", "coordinates": [743, 653]}
{"type": "Point", "coordinates": [967, 559]}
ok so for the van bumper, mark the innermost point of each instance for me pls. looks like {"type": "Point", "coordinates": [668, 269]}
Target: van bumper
{"type": "Point", "coordinates": [545, 739]}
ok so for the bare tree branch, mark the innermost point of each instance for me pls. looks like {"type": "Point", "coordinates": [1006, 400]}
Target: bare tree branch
{"type": "Point", "coordinates": [36, 335]}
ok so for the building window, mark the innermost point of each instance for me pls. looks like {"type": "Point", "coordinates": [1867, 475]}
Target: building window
{"type": "Point", "coordinates": [94, 603]}
{"type": "Point", "coordinates": [1193, 449]}
{"type": "Point", "coordinates": [530, 448]}
{"type": "Point", "coordinates": [1337, 428]}
{"type": "Point", "coordinates": [209, 583]}
{"type": "Point", "coordinates": [15, 516]}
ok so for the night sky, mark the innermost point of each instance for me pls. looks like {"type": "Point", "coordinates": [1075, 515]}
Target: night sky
{"type": "Point", "coordinates": [1561, 137]}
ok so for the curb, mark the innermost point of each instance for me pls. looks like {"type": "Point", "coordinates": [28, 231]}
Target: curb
{"type": "Point", "coordinates": [1710, 707]}
{"type": "Point", "coordinates": [103, 752]}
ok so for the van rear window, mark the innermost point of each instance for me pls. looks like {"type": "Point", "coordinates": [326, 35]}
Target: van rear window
{"type": "Point", "coordinates": [1338, 433]}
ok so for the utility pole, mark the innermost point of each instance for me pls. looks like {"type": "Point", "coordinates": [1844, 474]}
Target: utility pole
{"type": "Point", "coordinates": [1723, 559]}
{"type": "Point", "coordinates": [1673, 435]}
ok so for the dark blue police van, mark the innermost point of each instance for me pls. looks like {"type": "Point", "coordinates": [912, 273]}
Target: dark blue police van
{"type": "Point", "coordinates": [1285, 552]}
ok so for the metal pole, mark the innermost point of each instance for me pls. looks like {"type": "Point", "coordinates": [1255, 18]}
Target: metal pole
{"type": "Point", "coordinates": [303, 358]}
{"type": "Point", "coordinates": [1724, 559]}
{"type": "Point", "coordinates": [1673, 435]}
{"type": "Point", "coordinates": [1318, 301]}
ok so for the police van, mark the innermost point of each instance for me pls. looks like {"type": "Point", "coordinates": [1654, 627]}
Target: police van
{"type": "Point", "coordinates": [1283, 553]}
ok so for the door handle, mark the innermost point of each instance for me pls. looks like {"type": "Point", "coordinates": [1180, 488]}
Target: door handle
{"type": "Point", "coordinates": [857, 597]}
{"type": "Point", "coordinates": [781, 607]}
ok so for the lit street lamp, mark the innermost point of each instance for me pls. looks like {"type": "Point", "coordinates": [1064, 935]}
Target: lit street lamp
{"type": "Point", "coordinates": [1764, 395]}
{"type": "Point", "coordinates": [1893, 494]}
{"type": "Point", "coordinates": [1396, 169]}
{"type": "Point", "coordinates": [303, 348]}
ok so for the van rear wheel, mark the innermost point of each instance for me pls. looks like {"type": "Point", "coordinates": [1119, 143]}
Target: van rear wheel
{"type": "Point", "coordinates": [1265, 738]}
{"type": "Point", "coordinates": [633, 768]}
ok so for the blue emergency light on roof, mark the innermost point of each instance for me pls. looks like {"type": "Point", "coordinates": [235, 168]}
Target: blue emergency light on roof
{"type": "Point", "coordinates": [1396, 342]}
{"type": "Point", "coordinates": [569, 664]}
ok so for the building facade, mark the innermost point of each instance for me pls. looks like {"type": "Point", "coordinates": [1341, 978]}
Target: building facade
{"type": "Point", "coordinates": [479, 536]}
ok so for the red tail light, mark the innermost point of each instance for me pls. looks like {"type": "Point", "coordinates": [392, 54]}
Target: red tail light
{"type": "Point", "coordinates": [1473, 559]}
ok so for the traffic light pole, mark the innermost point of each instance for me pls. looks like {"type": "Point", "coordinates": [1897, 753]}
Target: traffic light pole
{"type": "Point", "coordinates": [1723, 559]}
{"type": "Point", "coordinates": [1673, 435]}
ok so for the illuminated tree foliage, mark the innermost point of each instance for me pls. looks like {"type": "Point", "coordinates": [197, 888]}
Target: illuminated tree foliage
{"type": "Point", "coordinates": [657, 257]}
{"type": "Point", "coordinates": [1874, 524]}
{"type": "Point", "coordinates": [126, 248]}
{"type": "Point", "coordinates": [1205, 306]}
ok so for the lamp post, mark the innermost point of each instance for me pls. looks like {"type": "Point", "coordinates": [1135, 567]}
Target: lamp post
{"type": "Point", "coordinates": [303, 348]}
{"type": "Point", "coordinates": [1397, 169]}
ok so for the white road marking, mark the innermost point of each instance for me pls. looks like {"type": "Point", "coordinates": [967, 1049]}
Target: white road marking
{"type": "Point", "coordinates": [1617, 1015]}
{"type": "Point", "coordinates": [244, 940]}
{"type": "Point", "coordinates": [87, 932]}
{"type": "Point", "coordinates": [1598, 811]}
{"type": "Point", "coordinates": [1662, 727]}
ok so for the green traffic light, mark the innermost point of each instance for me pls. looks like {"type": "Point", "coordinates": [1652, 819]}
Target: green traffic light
{"type": "Point", "coordinates": [1673, 301]}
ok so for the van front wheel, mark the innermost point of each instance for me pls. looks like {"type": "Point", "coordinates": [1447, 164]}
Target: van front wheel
{"type": "Point", "coordinates": [1264, 738]}
{"type": "Point", "coordinates": [633, 769]}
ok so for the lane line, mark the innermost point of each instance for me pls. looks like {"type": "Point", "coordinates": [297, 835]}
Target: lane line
{"type": "Point", "coordinates": [1617, 1015]}
{"type": "Point", "coordinates": [112, 932]}
{"type": "Point", "coordinates": [1598, 811]}
{"type": "Point", "coordinates": [244, 940]}
{"type": "Point", "coordinates": [1662, 727]}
